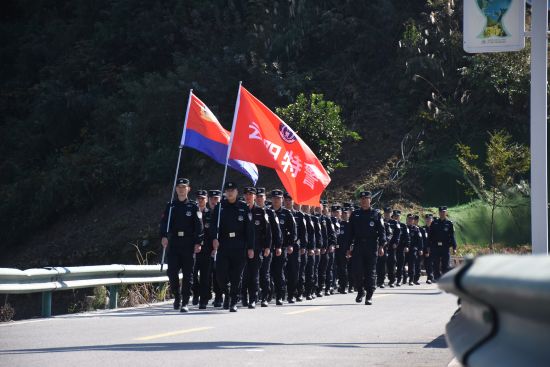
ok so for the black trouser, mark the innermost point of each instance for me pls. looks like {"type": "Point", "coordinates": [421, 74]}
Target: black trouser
{"type": "Point", "coordinates": [310, 274]}
{"type": "Point", "coordinates": [218, 295]}
{"type": "Point", "coordinates": [364, 270]}
{"type": "Point", "coordinates": [265, 277]}
{"type": "Point", "coordinates": [316, 261]}
{"type": "Point", "coordinates": [441, 259]}
{"type": "Point", "coordinates": [322, 271]}
{"type": "Point", "coordinates": [302, 276]}
{"type": "Point", "coordinates": [350, 274]}
{"type": "Point", "coordinates": [410, 260]}
{"type": "Point", "coordinates": [202, 277]}
{"type": "Point", "coordinates": [428, 265]}
{"type": "Point", "coordinates": [381, 268]}
{"type": "Point", "coordinates": [390, 265]}
{"type": "Point", "coordinates": [251, 277]}
{"type": "Point", "coordinates": [180, 256]}
{"type": "Point", "coordinates": [400, 261]}
{"type": "Point", "coordinates": [292, 271]}
{"type": "Point", "coordinates": [278, 275]}
{"type": "Point", "coordinates": [229, 269]}
{"type": "Point", "coordinates": [418, 267]}
{"type": "Point", "coordinates": [342, 267]}
{"type": "Point", "coordinates": [329, 272]}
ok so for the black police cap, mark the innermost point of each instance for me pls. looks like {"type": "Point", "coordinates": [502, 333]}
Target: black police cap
{"type": "Point", "coordinates": [229, 185]}
{"type": "Point", "coordinates": [416, 217]}
{"type": "Point", "coordinates": [347, 206]}
{"type": "Point", "coordinates": [260, 190]}
{"type": "Point", "coordinates": [387, 209]}
{"type": "Point", "coordinates": [442, 208]}
{"type": "Point", "coordinates": [249, 190]}
{"type": "Point", "coordinates": [365, 194]}
{"type": "Point", "coordinates": [214, 193]}
{"type": "Point", "coordinates": [397, 212]}
{"type": "Point", "coordinates": [182, 181]}
{"type": "Point", "coordinates": [410, 216]}
{"type": "Point", "coordinates": [276, 193]}
{"type": "Point", "coordinates": [428, 216]}
{"type": "Point", "coordinates": [287, 196]}
{"type": "Point", "coordinates": [202, 193]}
{"type": "Point", "coordinates": [335, 208]}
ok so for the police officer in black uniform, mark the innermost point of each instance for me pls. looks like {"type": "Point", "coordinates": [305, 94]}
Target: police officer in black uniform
{"type": "Point", "coordinates": [313, 242]}
{"type": "Point", "coordinates": [181, 232]}
{"type": "Point", "coordinates": [420, 257]}
{"type": "Point", "coordinates": [321, 238]}
{"type": "Point", "coordinates": [366, 230]}
{"type": "Point", "coordinates": [233, 241]}
{"type": "Point", "coordinates": [262, 248]}
{"type": "Point", "coordinates": [442, 236]}
{"type": "Point", "coordinates": [288, 230]}
{"type": "Point", "coordinates": [415, 248]}
{"type": "Point", "coordinates": [276, 242]}
{"type": "Point", "coordinates": [294, 259]}
{"type": "Point", "coordinates": [304, 246]}
{"type": "Point", "coordinates": [428, 261]}
{"type": "Point", "coordinates": [402, 248]}
{"type": "Point", "coordinates": [332, 234]}
{"type": "Point", "coordinates": [340, 221]}
{"type": "Point", "coordinates": [202, 276]}
{"type": "Point", "coordinates": [382, 260]}
{"type": "Point", "coordinates": [393, 243]}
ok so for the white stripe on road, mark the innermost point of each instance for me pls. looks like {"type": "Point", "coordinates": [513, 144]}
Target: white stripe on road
{"type": "Point", "coordinates": [306, 310]}
{"type": "Point", "coordinates": [172, 333]}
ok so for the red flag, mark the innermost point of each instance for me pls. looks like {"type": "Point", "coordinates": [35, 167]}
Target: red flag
{"type": "Point", "coordinates": [261, 137]}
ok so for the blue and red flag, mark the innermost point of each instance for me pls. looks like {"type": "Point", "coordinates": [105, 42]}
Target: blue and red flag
{"type": "Point", "coordinates": [204, 133]}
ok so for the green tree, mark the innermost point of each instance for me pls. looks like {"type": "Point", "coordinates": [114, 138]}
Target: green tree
{"type": "Point", "coordinates": [319, 124]}
{"type": "Point", "coordinates": [505, 163]}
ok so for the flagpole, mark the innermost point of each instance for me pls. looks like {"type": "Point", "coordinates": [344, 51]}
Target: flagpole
{"type": "Point", "coordinates": [182, 142]}
{"type": "Point", "coordinates": [228, 153]}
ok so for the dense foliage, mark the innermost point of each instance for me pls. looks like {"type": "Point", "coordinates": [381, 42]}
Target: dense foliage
{"type": "Point", "coordinates": [93, 92]}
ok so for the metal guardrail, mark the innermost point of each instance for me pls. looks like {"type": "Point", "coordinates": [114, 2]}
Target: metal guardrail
{"type": "Point", "coordinates": [47, 280]}
{"type": "Point", "coordinates": [504, 311]}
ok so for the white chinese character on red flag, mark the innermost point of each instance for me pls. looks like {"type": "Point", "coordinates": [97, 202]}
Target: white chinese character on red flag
{"type": "Point", "coordinates": [292, 162]}
{"type": "Point", "coordinates": [311, 177]}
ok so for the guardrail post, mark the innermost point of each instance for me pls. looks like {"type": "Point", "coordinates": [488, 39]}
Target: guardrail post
{"type": "Point", "coordinates": [113, 296]}
{"type": "Point", "coordinates": [46, 304]}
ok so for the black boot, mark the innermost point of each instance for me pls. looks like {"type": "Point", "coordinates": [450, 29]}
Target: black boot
{"type": "Point", "coordinates": [177, 302]}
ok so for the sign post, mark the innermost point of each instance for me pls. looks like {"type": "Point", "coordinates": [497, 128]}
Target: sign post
{"type": "Point", "coordinates": [499, 26]}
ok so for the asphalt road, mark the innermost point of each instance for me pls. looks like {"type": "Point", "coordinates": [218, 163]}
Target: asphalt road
{"type": "Point", "coordinates": [404, 327]}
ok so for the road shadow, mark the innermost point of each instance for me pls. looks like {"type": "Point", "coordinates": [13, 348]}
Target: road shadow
{"type": "Point", "coordinates": [196, 346]}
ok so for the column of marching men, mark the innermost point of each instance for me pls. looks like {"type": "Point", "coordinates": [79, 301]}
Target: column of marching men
{"type": "Point", "coordinates": [251, 251]}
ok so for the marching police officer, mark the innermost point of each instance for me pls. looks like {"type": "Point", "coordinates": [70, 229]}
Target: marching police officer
{"type": "Point", "coordinates": [366, 230]}
{"type": "Point", "coordinates": [294, 259]}
{"type": "Point", "coordinates": [232, 241]}
{"type": "Point", "coordinates": [428, 262]}
{"type": "Point", "coordinates": [340, 221]}
{"type": "Point", "coordinates": [416, 246]}
{"type": "Point", "coordinates": [420, 257]}
{"type": "Point", "coordinates": [383, 260]}
{"type": "Point", "coordinates": [202, 275]}
{"type": "Point", "coordinates": [332, 234]}
{"type": "Point", "coordinates": [393, 243]}
{"type": "Point", "coordinates": [262, 248]}
{"type": "Point", "coordinates": [329, 240]}
{"type": "Point", "coordinates": [313, 242]}
{"type": "Point", "coordinates": [276, 243]}
{"type": "Point", "coordinates": [288, 229]}
{"type": "Point", "coordinates": [181, 233]}
{"type": "Point", "coordinates": [442, 236]}
{"type": "Point", "coordinates": [321, 240]}
{"type": "Point", "coordinates": [402, 248]}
